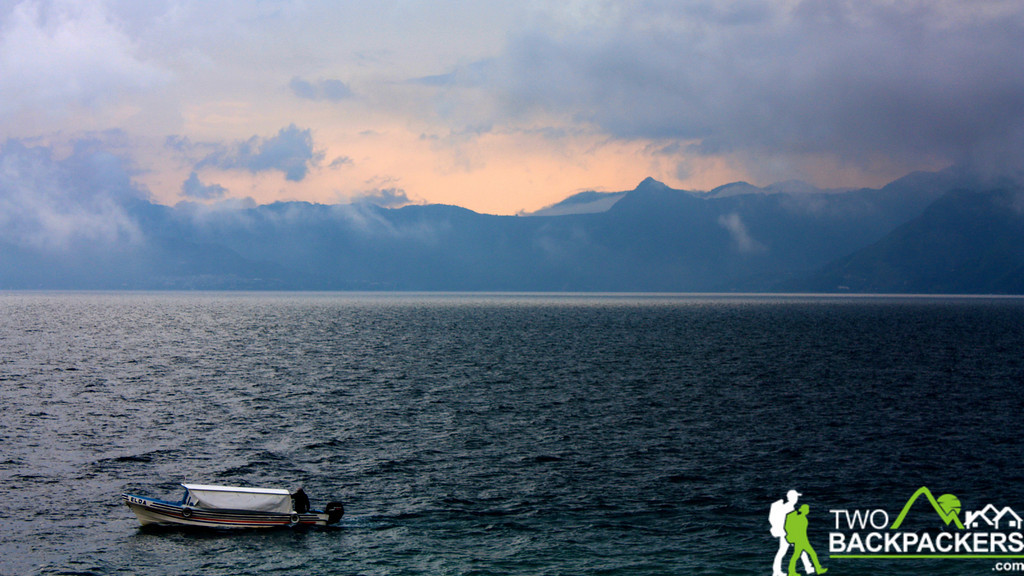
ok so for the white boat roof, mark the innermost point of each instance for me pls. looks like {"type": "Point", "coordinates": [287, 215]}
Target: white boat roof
{"type": "Point", "coordinates": [212, 488]}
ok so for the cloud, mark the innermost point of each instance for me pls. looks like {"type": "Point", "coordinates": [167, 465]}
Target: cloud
{"type": "Point", "coordinates": [341, 161]}
{"type": "Point", "coordinates": [50, 203]}
{"type": "Point", "coordinates": [762, 91]}
{"type": "Point", "coordinates": [59, 54]}
{"type": "Point", "coordinates": [741, 238]}
{"type": "Point", "coordinates": [290, 151]}
{"type": "Point", "coordinates": [193, 188]}
{"type": "Point", "coordinates": [385, 198]}
{"type": "Point", "coordinates": [329, 89]}
{"type": "Point", "coordinates": [777, 84]}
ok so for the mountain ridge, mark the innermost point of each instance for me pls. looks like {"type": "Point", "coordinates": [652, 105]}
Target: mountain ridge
{"type": "Point", "coordinates": [786, 237]}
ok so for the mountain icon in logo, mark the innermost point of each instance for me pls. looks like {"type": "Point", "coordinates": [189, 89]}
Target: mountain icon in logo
{"type": "Point", "coordinates": [946, 506]}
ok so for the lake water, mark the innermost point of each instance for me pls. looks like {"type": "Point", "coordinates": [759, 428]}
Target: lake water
{"type": "Point", "coordinates": [497, 434]}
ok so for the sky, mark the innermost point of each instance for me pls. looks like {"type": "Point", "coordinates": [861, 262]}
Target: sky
{"type": "Point", "coordinates": [499, 107]}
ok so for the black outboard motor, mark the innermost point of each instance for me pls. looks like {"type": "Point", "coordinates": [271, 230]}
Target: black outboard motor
{"type": "Point", "coordinates": [334, 510]}
{"type": "Point", "coordinates": [300, 502]}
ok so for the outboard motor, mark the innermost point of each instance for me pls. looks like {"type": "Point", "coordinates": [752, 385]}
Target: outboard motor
{"type": "Point", "coordinates": [334, 510]}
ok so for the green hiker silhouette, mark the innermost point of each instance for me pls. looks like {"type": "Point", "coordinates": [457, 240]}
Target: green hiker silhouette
{"type": "Point", "coordinates": [796, 534]}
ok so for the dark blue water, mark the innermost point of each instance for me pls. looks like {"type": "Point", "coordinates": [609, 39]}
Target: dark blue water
{"type": "Point", "coordinates": [496, 434]}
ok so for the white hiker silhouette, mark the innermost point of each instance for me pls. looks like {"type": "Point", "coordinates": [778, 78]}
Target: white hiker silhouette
{"type": "Point", "coordinates": [777, 518]}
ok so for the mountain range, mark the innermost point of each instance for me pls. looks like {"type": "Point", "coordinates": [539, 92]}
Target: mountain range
{"type": "Point", "coordinates": [928, 232]}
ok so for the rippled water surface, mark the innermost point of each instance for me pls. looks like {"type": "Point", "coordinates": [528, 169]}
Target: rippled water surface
{"type": "Point", "coordinates": [504, 434]}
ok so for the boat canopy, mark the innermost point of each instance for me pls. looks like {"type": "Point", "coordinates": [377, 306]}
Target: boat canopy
{"type": "Point", "coordinates": [236, 498]}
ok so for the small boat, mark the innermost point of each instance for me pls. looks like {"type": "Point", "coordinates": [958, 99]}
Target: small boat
{"type": "Point", "coordinates": [233, 507]}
